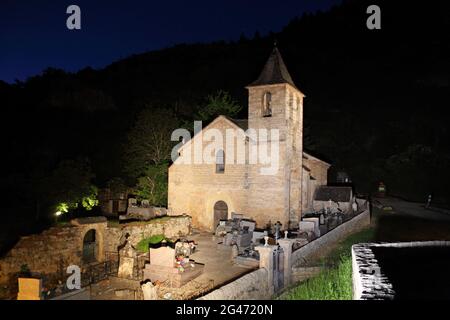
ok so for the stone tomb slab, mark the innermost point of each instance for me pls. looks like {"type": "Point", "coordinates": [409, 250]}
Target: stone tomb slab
{"type": "Point", "coordinates": [162, 268]}
{"type": "Point", "coordinates": [172, 276]}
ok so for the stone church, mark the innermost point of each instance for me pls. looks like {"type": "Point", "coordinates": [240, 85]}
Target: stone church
{"type": "Point", "coordinates": [212, 191]}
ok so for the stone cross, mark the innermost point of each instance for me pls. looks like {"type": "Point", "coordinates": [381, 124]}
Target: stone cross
{"type": "Point", "coordinates": [266, 239]}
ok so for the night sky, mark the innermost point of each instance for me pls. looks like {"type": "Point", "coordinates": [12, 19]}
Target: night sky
{"type": "Point", "coordinates": [33, 34]}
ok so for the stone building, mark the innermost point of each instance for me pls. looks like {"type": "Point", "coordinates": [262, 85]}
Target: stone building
{"type": "Point", "coordinates": [334, 198]}
{"type": "Point", "coordinates": [210, 191]}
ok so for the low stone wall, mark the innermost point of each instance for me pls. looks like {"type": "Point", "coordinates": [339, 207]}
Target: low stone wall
{"type": "Point", "coordinates": [324, 244]}
{"type": "Point", "coordinates": [252, 286]}
{"type": "Point", "coordinates": [369, 280]}
{"type": "Point", "coordinates": [171, 227]}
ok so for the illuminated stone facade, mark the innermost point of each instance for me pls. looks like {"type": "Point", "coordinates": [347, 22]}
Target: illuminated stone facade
{"type": "Point", "coordinates": [196, 188]}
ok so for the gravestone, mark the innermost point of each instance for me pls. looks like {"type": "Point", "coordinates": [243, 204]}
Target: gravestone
{"type": "Point", "coordinates": [29, 289]}
{"type": "Point", "coordinates": [316, 222]}
{"type": "Point", "coordinates": [163, 268]}
{"type": "Point", "coordinates": [127, 260]}
{"type": "Point", "coordinates": [250, 224]}
{"type": "Point", "coordinates": [306, 226]}
{"type": "Point", "coordinates": [258, 235]}
{"type": "Point", "coordinates": [164, 256]}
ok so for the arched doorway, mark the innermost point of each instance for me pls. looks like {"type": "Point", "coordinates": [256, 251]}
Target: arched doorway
{"type": "Point", "coordinates": [220, 213]}
{"type": "Point", "coordinates": [90, 246]}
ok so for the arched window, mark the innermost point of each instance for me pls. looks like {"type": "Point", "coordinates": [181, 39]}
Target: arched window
{"type": "Point", "coordinates": [267, 105]}
{"type": "Point", "coordinates": [220, 161]}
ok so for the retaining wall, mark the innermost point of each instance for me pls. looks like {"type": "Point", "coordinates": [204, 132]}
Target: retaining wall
{"type": "Point", "coordinates": [252, 286]}
{"type": "Point", "coordinates": [324, 244]}
{"type": "Point", "coordinates": [369, 280]}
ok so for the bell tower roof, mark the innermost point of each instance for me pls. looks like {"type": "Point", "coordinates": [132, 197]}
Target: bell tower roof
{"type": "Point", "coordinates": [274, 71]}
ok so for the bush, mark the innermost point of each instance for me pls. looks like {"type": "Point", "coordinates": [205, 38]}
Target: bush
{"type": "Point", "coordinates": [144, 244]}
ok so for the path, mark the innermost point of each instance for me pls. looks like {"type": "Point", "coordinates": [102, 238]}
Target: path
{"type": "Point", "coordinates": [413, 209]}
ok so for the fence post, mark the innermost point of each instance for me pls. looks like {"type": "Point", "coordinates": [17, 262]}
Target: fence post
{"type": "Point", "coordinates": [266, 262]}
{"type": "Point", "coordinates": [286, 244]}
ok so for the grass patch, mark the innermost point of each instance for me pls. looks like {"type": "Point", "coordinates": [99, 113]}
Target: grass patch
{"type": "Point", "coordinates": [330, 284]}
{"type": "Point", "coordinates": [343, 248]}
{"type": "Point", "coordinates": [144, 244]}
{"type": "Point", "coordinates": [335, 281]}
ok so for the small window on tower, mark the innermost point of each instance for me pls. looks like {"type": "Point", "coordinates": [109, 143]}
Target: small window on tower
{"type": "Point", "coordinates": [220, 161]}
{"type": "Point", "coordinates": [267, 105]}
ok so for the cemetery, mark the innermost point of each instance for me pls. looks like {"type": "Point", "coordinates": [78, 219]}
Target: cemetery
{"type": "Point", "coordinates": [164, 258]}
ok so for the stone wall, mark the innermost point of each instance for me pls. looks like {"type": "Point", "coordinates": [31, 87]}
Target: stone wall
{"type": "Point", "coordinates": [324, 244]}
{"type": "Point", "coordinates": [369, 280]}
{"type": "Point", "coordinates": [195, 188]}
{"type": "Point", "coordinates": [171, 227]}
{"type": "Point", "coordinates": [52, 251]}
{"type": "Point", "coordinates": [252, 286]}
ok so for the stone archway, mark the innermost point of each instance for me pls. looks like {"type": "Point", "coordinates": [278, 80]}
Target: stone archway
{"type": "Point", "coordinates": [220, 213]}
{"type": "Point", "coordinates": [90, 246]}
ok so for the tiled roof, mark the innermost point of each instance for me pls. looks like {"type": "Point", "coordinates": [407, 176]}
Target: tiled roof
{"type": "Point", "coordinates": [242, 123]}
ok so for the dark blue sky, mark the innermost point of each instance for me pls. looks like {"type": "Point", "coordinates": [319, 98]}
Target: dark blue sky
{"type": "Point", "coordinates": [33, 34]}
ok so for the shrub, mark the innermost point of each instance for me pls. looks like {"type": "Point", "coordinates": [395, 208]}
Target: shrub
{"type": "Point", "coordinates": [144, 244]}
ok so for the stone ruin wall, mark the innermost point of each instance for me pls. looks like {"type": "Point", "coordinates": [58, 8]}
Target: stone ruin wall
{"type": "Point", "coordinates": [52, 251]}
{"type": "Point", "coordinates": [173, 227]}
{"type": "Point", "coordinates": [43, 253]}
